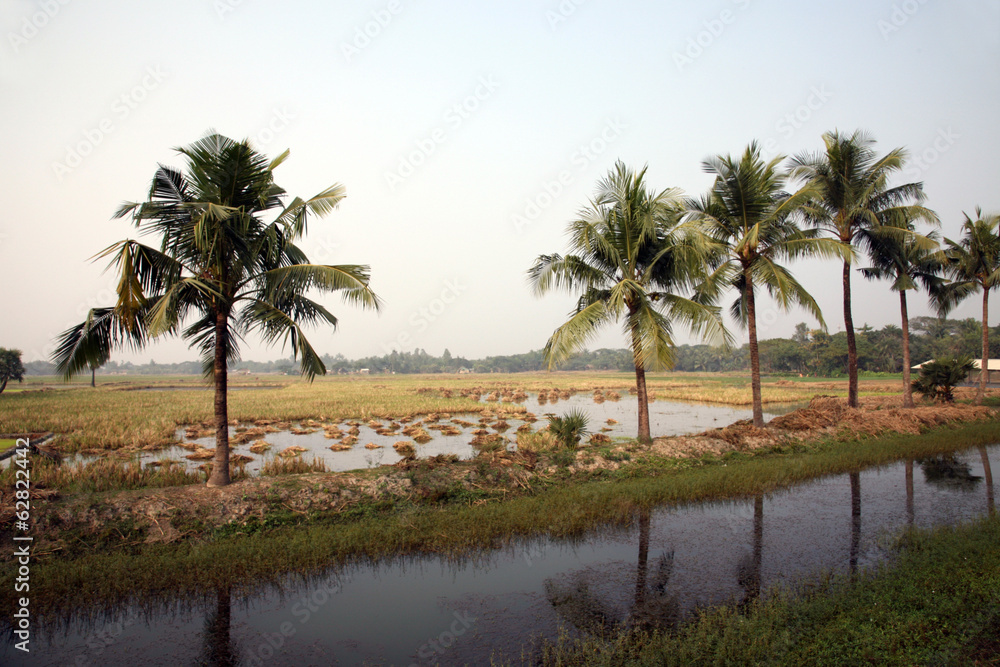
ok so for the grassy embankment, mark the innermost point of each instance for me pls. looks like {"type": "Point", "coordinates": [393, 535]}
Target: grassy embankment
{"type": "Point", "coordinates": [938, 604]}
{"type": "Point", "coordinates": [115, 565]}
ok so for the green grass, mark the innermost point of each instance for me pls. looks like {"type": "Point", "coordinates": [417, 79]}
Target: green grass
{"type": "Point", "coordinates": [939, 604]}
{"type": "Point", "coordinates": [90, 574]}
{"type": "Point", "coordinates": [6, 444]}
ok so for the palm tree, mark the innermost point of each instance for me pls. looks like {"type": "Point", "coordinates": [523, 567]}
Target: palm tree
{"type": "Point", "coordinates": [752, 219]}
{"type": "Point", "coordinates": [629, 261]}
{"type": "Point", "coordinates": [219, 261]}
{"type": "Point", "coordinates": [973, 263]}
{"type": "Point", "coordinates": [854, 198]}
{"type": "Point", "coordinates": [909, 264]}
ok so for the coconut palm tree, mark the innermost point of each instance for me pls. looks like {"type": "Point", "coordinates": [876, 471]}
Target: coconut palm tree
{"type": "Point", "coordinates": [973, 263]}
{"type": "Point", "coordinates": [910, 264]}
{"type": "Point", "coordinates": [631, 263]}
{"type": "Point", "coordinates": [220, 263]}
{"type": "Point", "coordinates": [752, 219]}
{"type": "Point", "coordinates": [854, 198]}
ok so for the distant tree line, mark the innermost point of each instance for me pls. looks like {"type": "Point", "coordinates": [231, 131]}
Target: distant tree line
{"type": "Point", "coordinates": [807, 352]}
{"type": "Point", "coordinates": [814, 352]}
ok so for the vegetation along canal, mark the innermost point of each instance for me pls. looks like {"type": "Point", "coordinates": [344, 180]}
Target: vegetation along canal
{"type": "Point", "coordinates": [435, 610]}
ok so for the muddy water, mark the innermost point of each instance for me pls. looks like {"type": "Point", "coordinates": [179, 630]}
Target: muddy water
{"type": "Point", "coordinates": [427, 610]}
{"type": "Point", "coordinates": [666, 418]}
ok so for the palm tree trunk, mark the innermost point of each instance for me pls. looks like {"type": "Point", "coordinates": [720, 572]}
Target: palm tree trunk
{"type": "Point", "coordinates": [852, 346]}
{"type": "Point", "coordinates": [641, 395]}
{"type": "Point", "coordinates": [220, 464]}
{"type": "Point", "coordinates": [984, 369]}
{"type": "Point", "coordinates": [904, 316]}
{"type": "Point", "coordinates": [93, 377]}
{"type": "Point", "coordinates": [758, 409]}
{"type": "Point", "coordinates": [3, 385]}
{"type": "Point", "coordinates": [643, 398]}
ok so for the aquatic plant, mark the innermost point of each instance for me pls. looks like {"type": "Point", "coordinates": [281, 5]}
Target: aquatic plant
{"type": "Point", "coordinates": [570, 428]}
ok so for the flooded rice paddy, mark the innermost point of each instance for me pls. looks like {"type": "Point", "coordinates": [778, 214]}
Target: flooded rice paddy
{"type": "Point", "coordinates": [429, 610]}
{"type": "Point", "coordinates": [358, 444]}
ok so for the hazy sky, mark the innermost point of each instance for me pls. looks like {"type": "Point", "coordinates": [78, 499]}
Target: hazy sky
{"type": "Point", "coordinates": [467, 135]}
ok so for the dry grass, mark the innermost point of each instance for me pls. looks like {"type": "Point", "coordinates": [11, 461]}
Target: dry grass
{"type": "Point", "coordinates": [291, 466]}
{"type": "Point", "coordinates": [115, 416]}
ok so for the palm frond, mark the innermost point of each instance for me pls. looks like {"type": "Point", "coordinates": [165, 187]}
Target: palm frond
{"type": "Point", "coordinates": [582, 326]}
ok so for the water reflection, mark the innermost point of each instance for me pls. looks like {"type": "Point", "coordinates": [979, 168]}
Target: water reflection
{"type": "Point", "coordinates": [749, 570]}
{"type": "Point", "coordinates": [669, 563]}
{"type": "Point", "coordinates": [653, 606]}
{"type": "Point", "coordinates": [949, 471]}
{"type": "Point", "coordinates": [218, 646]}
{"type": "Point", "coordinates": [988, 474]}
{"type": "Point", "coordinates": [855, 522]}
{"type": "Point", "coordinates": [909, 492]}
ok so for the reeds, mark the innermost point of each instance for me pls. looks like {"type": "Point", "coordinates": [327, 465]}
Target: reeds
{"type": "Point", "coordinates": [291, 466]}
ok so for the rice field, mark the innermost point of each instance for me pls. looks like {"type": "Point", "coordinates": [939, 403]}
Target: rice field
{"type": "Point", "coordinates": [145, 413]}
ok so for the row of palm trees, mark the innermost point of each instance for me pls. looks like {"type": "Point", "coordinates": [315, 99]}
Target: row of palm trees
{"type": "Point", "coordinates": [635, 253]}
{"type": "Point", "coordinates": [222, 264]}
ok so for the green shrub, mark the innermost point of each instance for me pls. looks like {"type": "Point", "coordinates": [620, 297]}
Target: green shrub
{"type": "Point", "coordinates": [570, 428]}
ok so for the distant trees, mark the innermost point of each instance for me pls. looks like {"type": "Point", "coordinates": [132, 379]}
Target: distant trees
{"type": "Point", "coordinates": [11, 367]}
{"type": "Point", "coordinates": [631, 264]}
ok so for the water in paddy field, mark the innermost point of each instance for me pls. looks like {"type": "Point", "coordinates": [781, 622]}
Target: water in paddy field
{"type": "Point", "coordinates": [666, 418]}
{"type": "Point", "coordinates": [428, 610]}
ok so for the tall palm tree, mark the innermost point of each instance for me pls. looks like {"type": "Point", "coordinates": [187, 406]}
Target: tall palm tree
{"type": "Point", "coordinates": [910, 265]}
{"type": "Point", "coordinates": [752, 219]}
{"type": "Point", "coordinates": [973, 263]}
{"type": "Point", "coordinates": [855, 197]}
{"type": "Point", "coordinates": [219, 261]}
{"type": "Point", "coordinates": [630, 262]}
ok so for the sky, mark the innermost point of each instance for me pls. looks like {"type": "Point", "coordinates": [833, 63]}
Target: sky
{"type": "Point", "coordinates": [467, 135]}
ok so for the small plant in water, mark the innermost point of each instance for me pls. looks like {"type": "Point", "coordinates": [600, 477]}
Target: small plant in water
{"type": "Point", "coordinates": [570, 428]}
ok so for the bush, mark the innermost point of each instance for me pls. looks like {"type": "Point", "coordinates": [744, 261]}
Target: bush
{"type": "Point", "coordinates": [570, 428]}
{"type": "Point", "coordinates": [938, 378]}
